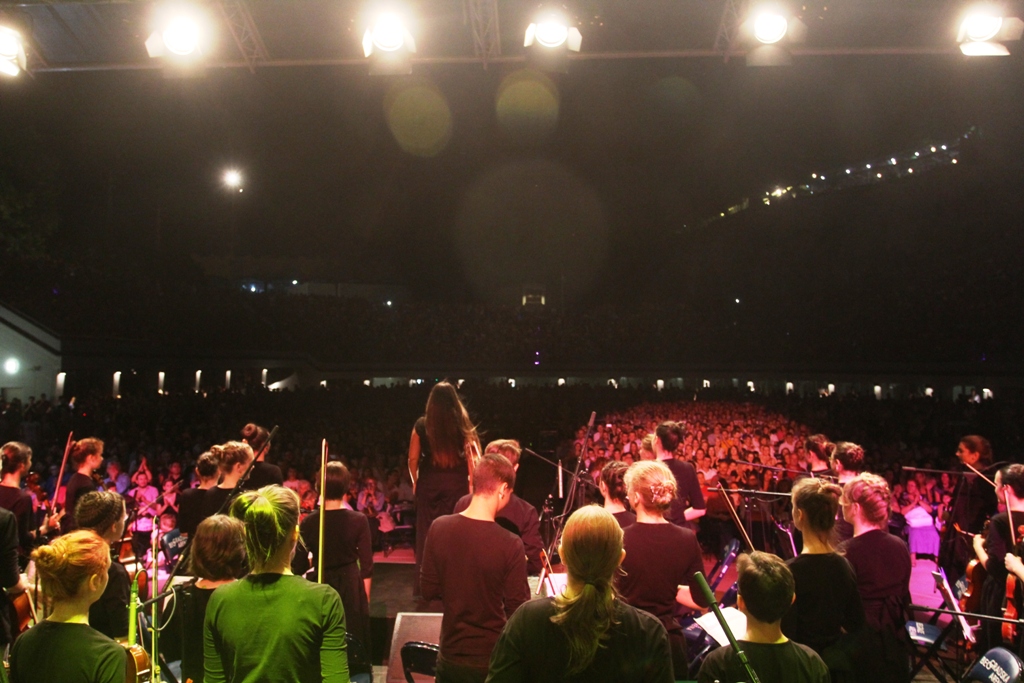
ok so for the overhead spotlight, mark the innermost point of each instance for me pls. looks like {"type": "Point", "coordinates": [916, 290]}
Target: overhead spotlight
{"type": "Point", "coordinates": [12, 52]}
{"type": "Point", "coordinates": [984, 31]}
{"type": "Point", "coordinates": [389, 45]}
{"type": "Point", "coordinates": [233, 178]}
{"type": "Point", "coordinates": [549, 42]}
{"type": "Point", "coordinates": [771, 28]}
{"type": "Point", "coordinates": [181, 35]}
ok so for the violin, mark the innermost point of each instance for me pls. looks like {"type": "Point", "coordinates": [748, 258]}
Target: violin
{"type": "Point", "coordinates": [1011, 631]}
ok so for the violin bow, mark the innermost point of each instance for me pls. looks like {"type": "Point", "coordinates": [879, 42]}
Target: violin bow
{"type": "Point", "coordinates": [323, 512]}
{"type": "Point", "coordinates": [60, 476]}
{"type": "Point", "coordinates": [978, 472]}
{"type": "Point", "coordinates": [735, 515]}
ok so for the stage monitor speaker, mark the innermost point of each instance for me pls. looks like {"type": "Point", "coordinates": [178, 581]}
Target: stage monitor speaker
{"type": "Point", "coordinates": [425, 627]}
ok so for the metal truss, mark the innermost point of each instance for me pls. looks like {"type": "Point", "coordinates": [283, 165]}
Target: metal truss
{"type": "Point", "coordinates": [243, 29]}
{"type": "Point", "coordinates": [729, 27]}
{"type": "Point", "coordinates": [482, 17]}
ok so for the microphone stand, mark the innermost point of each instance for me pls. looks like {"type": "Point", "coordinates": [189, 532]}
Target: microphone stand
{"type": "Point", "coordinates": [559, 520]}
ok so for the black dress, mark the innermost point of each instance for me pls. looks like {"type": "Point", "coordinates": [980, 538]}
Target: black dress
{"type": "Point", "coordinates": [78, 485]}
{"type": "Point", "coordinates": [348, 560]}
{"type": "Point", "coordinates": [437, 490]}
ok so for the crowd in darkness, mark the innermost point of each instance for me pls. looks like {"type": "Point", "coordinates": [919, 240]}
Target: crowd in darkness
{"type": "Point", "coordinates": [369, 429]}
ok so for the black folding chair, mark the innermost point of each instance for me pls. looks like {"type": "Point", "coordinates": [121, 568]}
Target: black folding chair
{"type": "Point", "coordinates": [360, 666]}
{"type": "Point", "coordinates": [998, 665]}
{"type": "Point", "coordinates": [419, 658]}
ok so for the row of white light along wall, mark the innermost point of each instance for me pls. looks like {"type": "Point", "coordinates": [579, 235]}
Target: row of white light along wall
{"type": "Point", "coordinates": [182, 36]}
{"type": "Point", "coordinates": [161, 378]}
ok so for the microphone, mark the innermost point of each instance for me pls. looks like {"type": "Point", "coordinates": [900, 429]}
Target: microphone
{"type": "Point", "coordinates": [593, 416]}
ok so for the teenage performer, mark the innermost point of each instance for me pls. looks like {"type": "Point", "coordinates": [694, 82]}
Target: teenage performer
{"type": "Point", "coordinates": [847, 462]}
{"type": "Point", "coordinates": [263, 473]}
{"type": "Point", "coordinates": [273, 625]}
{"type": "Point", "coordinates": [190, 501]}
{"type": "Point", "coordinates": [613, 489]}
{"type": "Point", "coordinates": [587, 633]}
{"type": "Point", "coordinates": [348, 562]}
{"type": "Point", "coordinates": [15, 462]}
{"type": "Point", "coordinates": [478, 571]}
{"type": "Point", "coordinates": [233, 460]}
{"type": "Point", "coordinates": [103, 513]}
{"type": "Point", "coordinates": [87, 457]}
{"type": "Point", "coordinates": [73, 574]}
{"type": "Point", "coordinates": [688, 505]}
{"type": "Point", "coordinates": [661, 558]}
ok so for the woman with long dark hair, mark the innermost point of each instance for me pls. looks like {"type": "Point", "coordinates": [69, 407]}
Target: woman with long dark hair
{"type": "Point", "coordinates": [272, 625]}
{"type": "Point", "coordinates": [587, 633]}
{"type": "Point", "coordinates": [348, 559]}
{"type": "Point", "coordinates": [443, 449]}
{"type": "Point", "coordinates": [63, 647]}
{"type": "Point", "coordinates": [661, 557]}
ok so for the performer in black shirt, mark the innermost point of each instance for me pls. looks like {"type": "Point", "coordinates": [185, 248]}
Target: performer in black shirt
{"type": "Point", "coordinates": [348, 559]}
{"type": "Point", "coordinates": [827, 603]}
{"type": "Point", "coordinates": [517, 516]}
{"type": "Point", "coordinates": [585, 634]}
{"type": "Point", "coordinates": [233, 460]}
{"type": "Point", "coordinates": [263, 473]}
{"type": "Point", "coordinates": [442, 449]}
{"type": "Point", "coordinates": [766, 589]}
{"type": "Point", "coordinates": [819, 455]}
{"type": "Point", "coordinates": [478, 571]}
{"type": "Point", "coordinates": [972, 503]}
{"type": "Point", "coordinates": [191, 505]}
{"type": "Point", "coordinates": [993, 548]}
{"type": "Point", "coordinates": [15, 462]}
{"type": "Point", "coordinates": [87, 457]}
{"type": "Point", "coordinates": [688, 505]}
{"type": "Point", "coordinates": [73, 573]}
{"type": "Point", "coordinates": [661, 558]}
{"type": "Point", "coordinates": [103, 512]}
{"type": "Point", "coordinates": [847, 462]}
{"type": "Point", "coordinates": [217, 558]}
{"type": "Point", "coordinates": [613, 490]}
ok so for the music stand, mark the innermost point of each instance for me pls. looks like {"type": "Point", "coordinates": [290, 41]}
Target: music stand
{"type": "Point", "coordinates": [933, 639]}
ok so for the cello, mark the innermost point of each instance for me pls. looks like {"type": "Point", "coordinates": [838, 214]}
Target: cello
{"type": "Point", "coordinates": [1011, 631]}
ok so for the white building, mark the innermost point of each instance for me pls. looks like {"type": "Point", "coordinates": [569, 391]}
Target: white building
{"type": "Point", "coordinates": [30, 361]}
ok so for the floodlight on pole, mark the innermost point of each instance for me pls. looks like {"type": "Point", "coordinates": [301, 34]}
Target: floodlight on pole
{"type": "Point", "coordinates": [181, 37]}
{"type": "Point", "coordinates": [12, 51]}
{"type": "Point", "coordinates": [769, 30]}
{"type": "Point", "coordinates": [549, 41]}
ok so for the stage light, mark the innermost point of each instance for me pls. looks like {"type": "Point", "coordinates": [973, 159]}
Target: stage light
{"type": "Point", "coordinates": [550, 40]}
{"type": "Point", "coordinates": [868, 167]}
{"type": "Point", "coordinates": [770, 28]}
{"type": "Point", "coordinates": [12, 52]}
{"type": "Point", "coordinates": [953, 161]}
{"type": "Point", "coordinates": [893, 161]}
{"type": "Point", "coordinates": [389, 45]}
{"type": "Point", "coordinates": [984, 31]}
{"type": "Point", "coordinates": [933, 150]}
{"type": "Point", "coordinates": [233, 178]}
{"type": "Point", "coordinates": [295, 282]}
{"type": "Point", "coordinates": [181, 35]}
{"type": "Point", "coordinates": [814, 175]}
{"type": "Point", "coordinates": [878, 175]}
{"type": "Point", "coordinates": [981, 27]}
{"type": "Point", "coordinates": [11, 366]}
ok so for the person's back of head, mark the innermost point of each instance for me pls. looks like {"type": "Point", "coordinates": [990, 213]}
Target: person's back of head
{"type": "Point", "coordinates": [66, 564]}
{"type": "Point", "coordinates": [613, 477]}
{"type": "Point", "coordinates": [817, 500]}
{"type": "Point", "coordinates": [448, 425]}
{"type": "Point", "coordinates": [669, 435]}
{"type": "Point", "coordinates": [336, 482]}
{"type": "Point", "coordinates": [271, 516]}
{"type": "Point", "coordinates": [207, 466]}
{"type": "Point", "coordinates": [849, 456]}
{"type": "Point", "coordinates": [1013, 477]}
{"type": "Point", "coordinates": [81, 450]}
{"type": "Point", "coordinates": [819, 447]}
{"type": "Point", "coordinates": [99, 511]}
{"type": "Point", "coordinates": [231, 454]}
{"type": "Point", "coordinates": [218, 549]}
{"type": "Point", "coordinates": [14, 455]}
{"type": "Point", "coordinates": [870, 494]}
{"type": "Point", "coordinates": [493, 470]}
{"type": "Point", "coordinates": [510, 448]}
{"type": "Point", "coordinates": [592, 551]}
{"type": "Point", "coordinates": [650, 484]}
{"type": "Point", "coordinates": [766, 586]}
{"type": "Point", "coordinates": [980, 445]}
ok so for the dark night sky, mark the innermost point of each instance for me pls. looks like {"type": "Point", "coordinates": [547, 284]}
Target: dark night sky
{"type": "Point", "coordinates": [638, 149]}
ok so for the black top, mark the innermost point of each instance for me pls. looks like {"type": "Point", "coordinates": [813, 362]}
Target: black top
{"type": "Point", "coordinates": [263, 474]}
{"type": "Point", "coordinates": [273, 627]}
{"type": "Point", "coordinates": [78, 485]}
{"type": "Point", "coordinates": [688, 493]}
{"type": "Point", "coordinates": [349, 535]}
{"type": "Point", "coordinates": [624, 518]}
{"type": "Point", "coordinates": [190, 510]}
{"type": "Point", "coordinates": [478, 570]}
{"type": "Point", "coordinates": [532, 649]}
{"type": "Point", "coordinates": [787, 662]}
{"type": "Point", "coordinates": [193, 602]}
{"type": "Point", "coordinates": [9, 569]}
{"type": "Point", "coordinates": [973, 502]}
{"type": "Point", "coordinates": [214, 501]}
{"type": "Point", "coordinates": [69, 653]}
{"type": "Point", "coordinates": [522, 519]}
{"type": "Point", "coordinates": [881, 562]}
{"type": "Point", "coordinates": [659, 559]}
{"type": "Point", "coordinates": [109, 614]}
{"type": "Point", "coordinates": [19, 502]}
{"type": "Point", "coordinates": [827, 601]}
